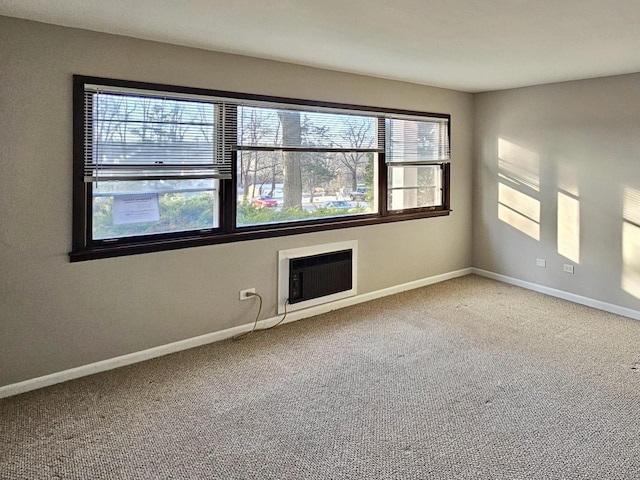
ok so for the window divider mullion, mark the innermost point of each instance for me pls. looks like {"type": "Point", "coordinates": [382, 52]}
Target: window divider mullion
{"type": "Point", "coordinates": [229, 208]}
{"type": "Point", "coordinates": [81, 192]}
{"type": "Point", "coordinates": [383, 171]}
{"type": "Point", "coordinates": [446, 180]}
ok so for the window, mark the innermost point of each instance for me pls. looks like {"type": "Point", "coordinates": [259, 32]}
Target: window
{"type": "Point", "coordinates": [296, 165]}
{"type": "Point", "coordinates": [150, 164]}
{"type": "Point", "coordinates": [158, 167]}
{"type": "Point", "coordinates": [416, 152]}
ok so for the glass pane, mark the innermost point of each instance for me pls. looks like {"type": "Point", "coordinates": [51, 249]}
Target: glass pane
{"type": "Point", "coordinates": [276, 187]}
{"type": "Point", "coordinates": [132, 208]}
{"type": "Point", "coordinates": [293, 128]}
{"type": "Point", "coordinates": [415, 187]}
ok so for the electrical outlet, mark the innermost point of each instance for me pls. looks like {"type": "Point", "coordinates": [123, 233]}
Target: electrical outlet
{"type": "Point", "coordinates": [568, 268]}
{"type": "Point", "coordinates": [243, 293]}
{"type": "Point", "coordinates": [541, 262]}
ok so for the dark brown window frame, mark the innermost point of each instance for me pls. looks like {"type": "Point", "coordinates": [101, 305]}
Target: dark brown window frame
{"type": "Point", "coordinates": [84, 248]}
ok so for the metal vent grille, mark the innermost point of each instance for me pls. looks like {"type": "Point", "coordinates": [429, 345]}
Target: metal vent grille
{"type": "Point", "coordinates": [320, 275]}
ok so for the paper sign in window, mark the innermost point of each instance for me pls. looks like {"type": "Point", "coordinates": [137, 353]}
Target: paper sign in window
{"type": "Point", "coordinates": [135, 208]}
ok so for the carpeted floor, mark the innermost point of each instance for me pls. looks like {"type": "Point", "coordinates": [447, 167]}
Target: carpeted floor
{"type": "Point", "coordinates": [467, 379]}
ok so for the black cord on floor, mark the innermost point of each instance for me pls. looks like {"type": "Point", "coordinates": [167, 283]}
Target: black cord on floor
{"type": "Point", "coordinates": [240, 336]}
{"type": "Point", "coordinates": [255, 323]}
{"type": "Point", "coordinates": [286, 302]}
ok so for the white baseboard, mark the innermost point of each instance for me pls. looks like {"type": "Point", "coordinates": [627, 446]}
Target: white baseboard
{"type": "Point", "coordinates": [572, 297]}
{"type": "Point", "coordinates": [123, 360]}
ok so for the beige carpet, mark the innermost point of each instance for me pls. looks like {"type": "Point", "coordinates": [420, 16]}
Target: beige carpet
{"type": "Point", "coordinates": [468, 379]}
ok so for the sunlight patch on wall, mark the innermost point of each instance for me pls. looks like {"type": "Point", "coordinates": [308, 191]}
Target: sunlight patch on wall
{"type": "Point", "coordinates": [519, 164]}
{"type": "Point", "coordinates": [631, 242]}
{"type": "Point", "coordinates": [519, 211]}
{"type": "Point", "coordinates": [569, 227]}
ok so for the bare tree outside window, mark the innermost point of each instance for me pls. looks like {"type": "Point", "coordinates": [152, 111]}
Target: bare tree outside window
{"type": "Point", "coordinates": [358, 135]}
{"type": "Point", "coordinates": [291, 136]}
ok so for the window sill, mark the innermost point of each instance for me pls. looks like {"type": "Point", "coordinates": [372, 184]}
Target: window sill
{"type": "Point", "coordinates": [242, 234]}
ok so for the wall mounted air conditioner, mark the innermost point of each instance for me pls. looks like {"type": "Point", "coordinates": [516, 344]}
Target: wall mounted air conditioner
{"type": "Point", "coordinates": [318, 274]}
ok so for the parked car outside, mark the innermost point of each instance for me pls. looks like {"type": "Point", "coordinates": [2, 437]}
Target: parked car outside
{"type": "Point", "coordinates": [264, 201]}
{"type": "Point", "coordinates": [337, 204]}
{"type": "Point", "coordinates": [359, 193]}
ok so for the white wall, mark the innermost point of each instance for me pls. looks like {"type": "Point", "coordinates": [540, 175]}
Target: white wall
{"type": "Point", "coordinates": [557, 176]}
{"type": "Point", "coordinates": [57, 315]}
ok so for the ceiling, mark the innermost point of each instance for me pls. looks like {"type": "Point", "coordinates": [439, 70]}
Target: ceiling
{"type": "Point", "coordinates": [469, 45]}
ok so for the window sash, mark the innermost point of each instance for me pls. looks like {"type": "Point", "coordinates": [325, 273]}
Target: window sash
{"type": "Point", "coordinates": [416, 187]}
{"type": "Point", "coordinates": [135, 138]}
{"type": "Point", "coordinates": [153, 211]}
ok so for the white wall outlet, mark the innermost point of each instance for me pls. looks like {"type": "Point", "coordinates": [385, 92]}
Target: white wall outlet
{"type": "Point", "coordinates": [568, 268]}
{"type": "Point", "coordinates": [541, 262]}
{"type": "Point", "coordinates": [243, 293]}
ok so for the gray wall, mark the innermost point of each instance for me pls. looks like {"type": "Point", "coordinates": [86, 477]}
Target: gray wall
{"type": "Point", "coordinates": [57, 315]}
{"type": "Point", "coordinates": [557, 176]}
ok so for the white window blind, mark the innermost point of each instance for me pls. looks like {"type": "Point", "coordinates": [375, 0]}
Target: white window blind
{"type": "Point", "coordinates": [139, 136]}
{"type": "Point", "coordinates": [417, 141]}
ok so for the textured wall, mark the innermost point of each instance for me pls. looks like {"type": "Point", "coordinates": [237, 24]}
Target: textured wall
{"type": "Point", "coordinates": [57, 315]}
{"type": "Point", "coordinates": [557, 176]}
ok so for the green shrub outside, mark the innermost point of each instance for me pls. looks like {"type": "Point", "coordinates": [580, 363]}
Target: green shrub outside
{"type": "Point", "coordinates": [249, 214]}
{"type": "Point", "coordinates": [177, 213]}
{"type": "Point", "coordinates": [182, 213]}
